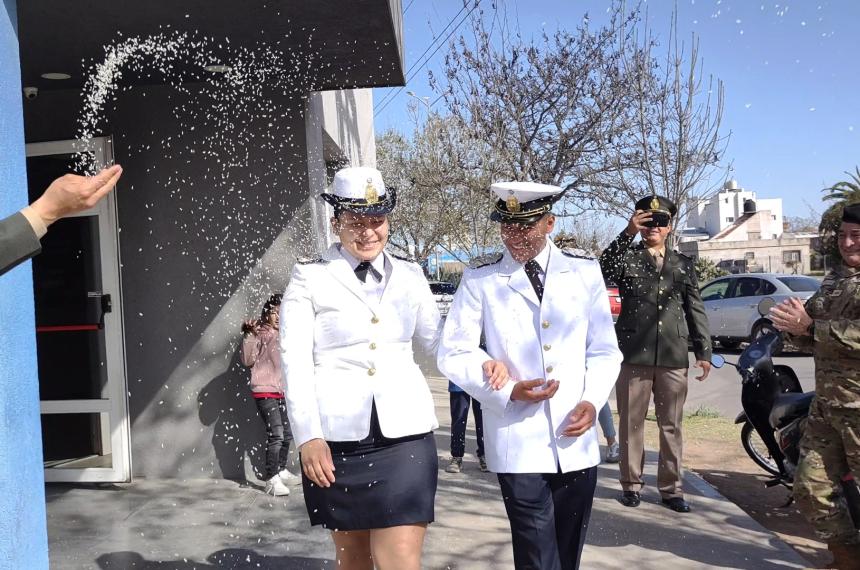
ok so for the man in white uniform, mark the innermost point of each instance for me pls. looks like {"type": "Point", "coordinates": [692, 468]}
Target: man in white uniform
{"type": "Point", "coordinates": [545, 314]}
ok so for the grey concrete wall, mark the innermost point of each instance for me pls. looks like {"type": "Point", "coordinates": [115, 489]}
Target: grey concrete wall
{"type": "Point", "coordinates": [210, 222]}
{"type": "Point", "coordinates": [23, 535]}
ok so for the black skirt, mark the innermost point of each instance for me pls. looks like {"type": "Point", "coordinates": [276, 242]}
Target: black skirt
{"type": "Point", "coordinates": [379, 482]}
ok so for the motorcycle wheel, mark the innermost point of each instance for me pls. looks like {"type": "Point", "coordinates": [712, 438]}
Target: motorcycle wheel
{"type": "Point", "coordinates": [757, 450]}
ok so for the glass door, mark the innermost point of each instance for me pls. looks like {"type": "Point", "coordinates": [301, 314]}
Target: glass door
{"type": "Point", "coordinates": [79, 337]}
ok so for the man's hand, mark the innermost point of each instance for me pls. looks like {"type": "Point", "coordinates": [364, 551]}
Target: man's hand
{"type": "Point", "coordinates": [535, 390]}
{"type": "Point", "coordinates": [317, 463]}
{"type": "Point", "coordinates": [496, 373]}
{"type": "Point", "coordinates": [706, 369]}
{"type": "Point", "coordinates": [581, 419]}
{"type": "Point", "coordinates": [71, 193]}
{"type": "Point", "coordinates": [790, 316]}
{"type": "Point", "coordinates": [637, 222]}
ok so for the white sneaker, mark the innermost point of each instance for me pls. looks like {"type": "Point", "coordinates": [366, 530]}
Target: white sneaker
{"type": "Point", "coordinates": [290, 478]}
{"type": "Point", "coordinates": [613, 454]}
{"type": "Point", "coordinates": [276, 487]}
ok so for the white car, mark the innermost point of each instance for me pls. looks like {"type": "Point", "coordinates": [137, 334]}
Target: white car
{"type": "Point", "coordinates": [444, 294]}
{"type": "Point", "coordinates": [731, 302]}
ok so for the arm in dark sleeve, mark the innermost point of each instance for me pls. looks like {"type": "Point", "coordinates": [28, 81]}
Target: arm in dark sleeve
{"type": "Point", "coordinates": [697, 318]}
{"type": "Point", "coordinates": [18, 241]}
{"type": "Point", "coordinates": [611, 260]}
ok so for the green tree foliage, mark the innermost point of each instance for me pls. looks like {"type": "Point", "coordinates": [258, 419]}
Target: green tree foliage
{"type": "Point", "coordinates": [707, 270]}
{"type": "Point", "coordinates": [844, 192]}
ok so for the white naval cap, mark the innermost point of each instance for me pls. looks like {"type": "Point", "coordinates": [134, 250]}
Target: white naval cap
{"type": "Point", "coordinates": [360, 189]}
{"type": "Point", "coordinates": [523, 202]}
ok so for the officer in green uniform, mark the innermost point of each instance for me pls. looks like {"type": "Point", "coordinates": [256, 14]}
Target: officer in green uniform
{"type": "Point", "coordinates": [660, 310]}
{"type": "Point", "coordinates": [829, 324]}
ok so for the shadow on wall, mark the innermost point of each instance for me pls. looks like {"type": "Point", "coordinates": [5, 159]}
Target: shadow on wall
{"type": "Point", "coordinates": [233, 558]}
{"type": "Point", "coordinates": [353, 137]}
{"type": "Point", "coordinates": [172, 439]}
{"type": "Point", "coordinates": [227, 406]}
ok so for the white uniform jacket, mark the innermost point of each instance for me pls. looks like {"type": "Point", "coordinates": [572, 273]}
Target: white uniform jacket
{"type": "Point", "coordinates": [569, 337]}
{"type": "Point", "coordinates": [342, 351]}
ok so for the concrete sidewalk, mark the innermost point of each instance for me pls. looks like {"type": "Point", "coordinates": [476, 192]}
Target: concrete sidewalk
{"type": "Point", "coordinates": [203, 524]}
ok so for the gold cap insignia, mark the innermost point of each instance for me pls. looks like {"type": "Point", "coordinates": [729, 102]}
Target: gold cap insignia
{"type": "Point", "coordinates": [655, 203]}
{"type": "Point", "coordinates": [370, 193]}
{"type": "Point", "coordinates": [512, 204]}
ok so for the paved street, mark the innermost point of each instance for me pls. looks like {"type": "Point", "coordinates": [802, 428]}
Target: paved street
{"type": "Point", "coordinates": [209, 524]}
{"type": "Point", "coordinates": [722, 390]}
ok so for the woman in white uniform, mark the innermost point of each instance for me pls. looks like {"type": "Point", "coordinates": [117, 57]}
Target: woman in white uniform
{"type": "Point", "coordinates": [361, 409]}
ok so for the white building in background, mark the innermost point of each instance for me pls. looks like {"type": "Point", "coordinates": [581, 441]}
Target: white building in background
{"type": "Point", "coordinates": [741, 233]}
{"type": "Point", "coordinates": [733, 209]}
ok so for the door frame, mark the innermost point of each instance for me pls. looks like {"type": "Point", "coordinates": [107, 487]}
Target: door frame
{"type": "Point", "coordinates": [113, 409]}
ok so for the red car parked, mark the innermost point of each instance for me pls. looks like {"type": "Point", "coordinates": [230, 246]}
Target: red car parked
{"type": "Point", "coordinates": [614, 300]}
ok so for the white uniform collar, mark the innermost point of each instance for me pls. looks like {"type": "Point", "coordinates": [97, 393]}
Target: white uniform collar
{"type": "Point", "coordinates": [543, 257]}
{"type": "Point", "coordinates": [378, 263]}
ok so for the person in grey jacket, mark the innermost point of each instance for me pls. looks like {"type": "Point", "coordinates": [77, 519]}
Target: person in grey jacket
{"type": "Point", "coordinates": [69, 194]}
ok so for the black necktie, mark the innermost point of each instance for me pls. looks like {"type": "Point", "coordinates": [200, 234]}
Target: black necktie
{"type": "Point", "coordinates": [533, 271]}
{"type": "Point", "coordinates": [363, 268]}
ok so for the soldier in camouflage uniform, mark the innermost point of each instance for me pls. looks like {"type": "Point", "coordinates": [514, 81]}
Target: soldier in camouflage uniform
{"type": "Point", "coordinates": [829, 324]}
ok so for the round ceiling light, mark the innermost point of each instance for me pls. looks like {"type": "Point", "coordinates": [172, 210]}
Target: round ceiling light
{"type": "Point", "coordinates": [56, 76]}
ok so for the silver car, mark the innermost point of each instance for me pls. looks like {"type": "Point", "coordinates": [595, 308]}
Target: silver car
{"type": "Point", "coordinates": [443, 292]}
{"type": "Point", "coordinates": [731, 302]}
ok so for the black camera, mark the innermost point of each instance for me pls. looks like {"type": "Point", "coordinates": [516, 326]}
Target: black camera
{"type": "Point", "coordinates": [658, 220]}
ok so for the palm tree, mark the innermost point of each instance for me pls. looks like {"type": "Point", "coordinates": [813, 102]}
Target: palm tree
{"type": "Point", "coordinates": [845, 191]}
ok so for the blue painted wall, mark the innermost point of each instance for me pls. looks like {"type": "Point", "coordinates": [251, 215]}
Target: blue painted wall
{"type": "Point", "coordinates": [23, 534]}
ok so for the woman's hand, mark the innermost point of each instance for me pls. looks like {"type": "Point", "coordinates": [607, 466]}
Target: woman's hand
{"type": "Point", "coordinates": [317, 464]}
{"type": "Point", "coordinates": [496, 373]}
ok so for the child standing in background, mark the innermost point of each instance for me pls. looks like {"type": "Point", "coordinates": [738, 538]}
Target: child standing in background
{"type": "Point", "coordinates": [261, 353]}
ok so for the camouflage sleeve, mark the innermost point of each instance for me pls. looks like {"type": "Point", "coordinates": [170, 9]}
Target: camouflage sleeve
{"type": "Point", "coordinates": [611, 260]}
{"type": "Point", "coordinates": [697, 318]}
{"type": "Point", "coordinates": [838, 334]}
{"type": "Point", "coordinates": [804, 342]}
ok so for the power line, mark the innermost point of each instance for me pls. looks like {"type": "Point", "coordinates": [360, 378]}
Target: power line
{"type": "Point", "coordinates": [392, 94]}
{"type": "Point", "coordinates": [387, 100]}
{"type": "Point", "coordinates": [408, 6]}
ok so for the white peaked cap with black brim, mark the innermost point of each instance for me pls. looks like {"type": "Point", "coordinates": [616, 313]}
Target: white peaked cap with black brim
{"type": "Point", "coordinates": [361, 190]}
{"type": "Point", "coordinates": [523, 202]}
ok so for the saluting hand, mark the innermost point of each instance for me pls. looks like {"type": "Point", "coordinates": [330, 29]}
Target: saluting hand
{"type": "Point", "coordinates": [637, 222]}
{"type": "Point", "coordinates": [535, 390]}
{"type": "Point", "coordinates": [496, 373]}
{"type": "Point", "coordinates": [317, 463]}
{"type": "Point", "coordinates": [581, 419]}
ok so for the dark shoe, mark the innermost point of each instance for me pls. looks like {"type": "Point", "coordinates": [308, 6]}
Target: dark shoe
{"type": "Point", "coordinates": [455, 465]}
{"type": "Point", "coordinates": [629, 499]}
{"type": "Point", "coordinates": [482, 464]}
{"type": "Point", "coordinates": [677, 504]}
{"type": "Point", "coordinates": [845, 556]}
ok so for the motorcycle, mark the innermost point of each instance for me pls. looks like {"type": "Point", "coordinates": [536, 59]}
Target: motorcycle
{"type": "Point", "coordinates": [775, 411]}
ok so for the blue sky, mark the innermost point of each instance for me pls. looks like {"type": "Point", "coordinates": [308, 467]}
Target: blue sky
{"type": "Point", "coordinates": [790, 70]}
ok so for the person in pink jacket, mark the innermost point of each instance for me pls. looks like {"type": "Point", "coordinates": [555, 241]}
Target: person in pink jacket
{"type": "Point", "coordinates": [261, 353]}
